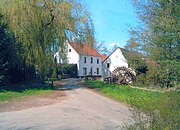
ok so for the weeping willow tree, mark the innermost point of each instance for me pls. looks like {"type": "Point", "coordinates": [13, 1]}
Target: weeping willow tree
{"type": "Point", "coordinates": [43, 25]}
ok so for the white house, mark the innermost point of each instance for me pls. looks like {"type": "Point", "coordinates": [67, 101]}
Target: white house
{"type": "Point", "coordinates": [114, 60]}
{"type": "Point", "coordinates": [88, 60]}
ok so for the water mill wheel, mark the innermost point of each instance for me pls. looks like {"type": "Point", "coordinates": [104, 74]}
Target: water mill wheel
{"type": "Point", "coordinates": [121, 75]}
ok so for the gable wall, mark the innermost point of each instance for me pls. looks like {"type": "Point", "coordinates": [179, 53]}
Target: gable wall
{"type": "Point", "coordinates": [74, 58]}
{"type": "Point", "coordinates": [116, 59]}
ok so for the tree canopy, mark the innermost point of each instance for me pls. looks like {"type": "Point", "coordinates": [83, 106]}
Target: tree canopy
{"type": "Point", "coordinates": [13, 68]}
{"type": "Point", "coordinates": [41, 26]}
{"type": "Point", "coordinates": [158, 36]}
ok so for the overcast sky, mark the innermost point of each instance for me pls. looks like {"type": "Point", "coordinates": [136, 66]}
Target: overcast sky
{"type": "Point", "coordinates": [112, 18]}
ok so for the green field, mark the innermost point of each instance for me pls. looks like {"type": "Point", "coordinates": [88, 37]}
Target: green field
{"type": "Point", "coordinates": [167, 105]}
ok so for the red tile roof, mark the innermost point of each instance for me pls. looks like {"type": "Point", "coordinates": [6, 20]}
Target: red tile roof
{"type": "Point", "coordinates": [84, 49]}
{"type": "Point", "coordinates": [103, 57]}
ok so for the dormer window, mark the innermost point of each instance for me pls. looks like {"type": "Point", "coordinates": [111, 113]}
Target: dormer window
{"type": "Point", "coordinates": [69, 50]}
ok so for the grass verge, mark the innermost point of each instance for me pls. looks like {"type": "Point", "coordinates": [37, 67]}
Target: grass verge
{"type": "Point", "coordinates": [24, 91]}
{"type": "Point", "coordinates": [165, 105]}
{"type": "Point", "coordinates": [9, 95]}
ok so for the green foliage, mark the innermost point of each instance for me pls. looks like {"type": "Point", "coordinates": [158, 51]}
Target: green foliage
{"type": "Point", "coordinates": [6, 51]}
{"type": "Point", "coordinates": [157, 37]}
{"type": "Point", "coordinates": [50, 80]}
{"type": "Point", "coordinates": [169, 73]}
{"type": "Point", "coordinates": [55, 69]}
{"type": "Point", "coordinates": [54, 74]}
{"type": "Point", "coordinates": [13, 68]}
{"type": "Point", "coordinates": [70, 69]}
{"type": "Point", "coordinates": [162, 108]}
{"type": "Point", "coordinates": [62, 70]}
{"type": "Point", "coordinates": [162, 118]}
{"type": "Point", "coordinates": [41, 26]}
{"type": "Point", "coordinates": [15, 92]}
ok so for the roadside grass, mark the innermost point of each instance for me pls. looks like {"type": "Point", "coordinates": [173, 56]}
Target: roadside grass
{"type": "Point", "coordinates": [12, 95]}
{"type": "Point", "coordinates": [16, 92]}
{"type": "Point", "coordinates": [165, 105]}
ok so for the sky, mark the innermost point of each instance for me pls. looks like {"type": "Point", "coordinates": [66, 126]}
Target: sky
{"type": "Point", "coordinates": [112, 19]}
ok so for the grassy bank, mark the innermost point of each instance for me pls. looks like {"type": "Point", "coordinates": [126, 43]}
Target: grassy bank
{"type": "Point", "coordinates": [14, 92]}
{"type": "Point", "coordinates": [165, 105]}
{"type": "Point", "coordinates": [13, 95]}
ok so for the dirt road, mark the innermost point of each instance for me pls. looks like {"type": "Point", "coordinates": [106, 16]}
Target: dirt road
{"type": "Point", "coordinates": [82, 110]}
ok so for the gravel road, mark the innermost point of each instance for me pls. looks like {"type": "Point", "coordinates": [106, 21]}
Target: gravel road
{"type": "Point", "coordinates": [82, 110]}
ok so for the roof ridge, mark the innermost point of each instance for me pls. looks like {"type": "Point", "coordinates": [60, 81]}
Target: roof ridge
{"type": "Point", "coordinates": [84, 49]}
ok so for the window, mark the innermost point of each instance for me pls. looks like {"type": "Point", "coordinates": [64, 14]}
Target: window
{"type": "Point", "coordinates": [108, 65]}
{"type": "Point", "coordinates": [84, 59]}
{"type": "Point", "coordinates": [97, 60]}
{"type": "Point", "coordinates": [91, 60]}
{"type": "Point", "coordinates": [91, 71]}
{"type": "Point", "coordinates": [84, 71]}
{"type": "Point", "coordinates": [69, 50]}
{"type": "Point", "coordinates": [97, 70]}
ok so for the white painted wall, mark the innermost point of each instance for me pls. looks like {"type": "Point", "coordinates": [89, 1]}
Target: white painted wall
{"type": "Point", "coordinates": [90, 65]}
{"type": "Point", "coordinates": [106, 71]}
{"type": "Point", "coordinates": [116, 59]}
{"type": "Point", "coordinates": [57, 57]}
{"type": "Point", "coordinates": [62, 57]}
{"type": "Point", "coordinates": [74, 58]}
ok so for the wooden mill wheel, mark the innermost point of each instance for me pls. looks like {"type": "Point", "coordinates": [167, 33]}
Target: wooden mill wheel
{"type": "Point", "coordinates": [123, 75]}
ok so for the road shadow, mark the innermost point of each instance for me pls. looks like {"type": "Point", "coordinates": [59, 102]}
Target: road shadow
{"type": "Point", "coordinates": [23, 87]}
{"type": "Point", "coordinates": [68, 84]}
